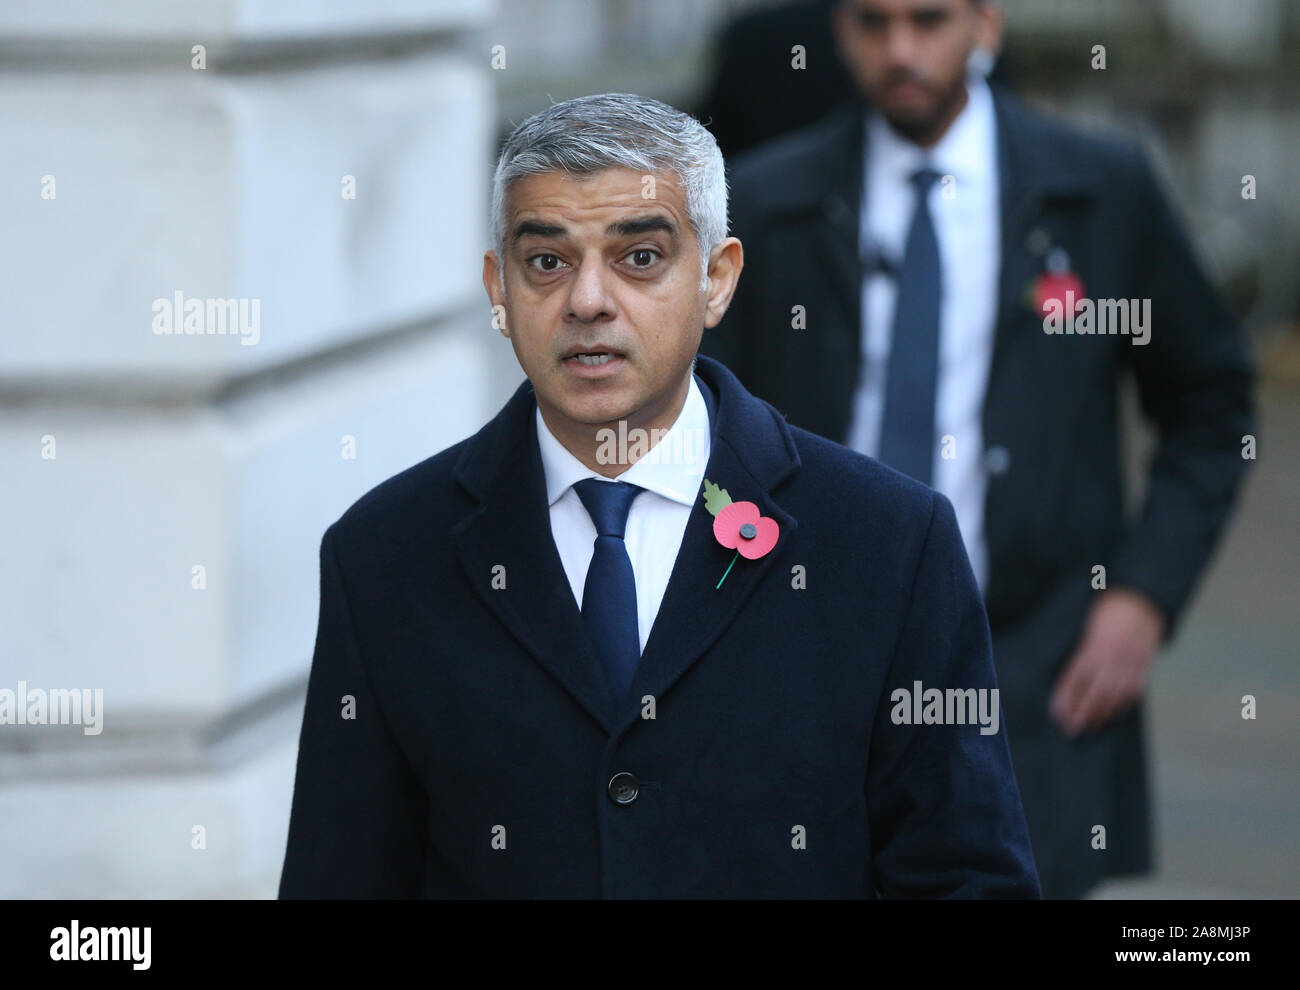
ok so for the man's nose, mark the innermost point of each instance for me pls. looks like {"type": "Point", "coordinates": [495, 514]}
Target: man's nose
{"type": "Point", "coordinates": [589, 295]}
{"type": "Point", "coordinates": [901, 45]}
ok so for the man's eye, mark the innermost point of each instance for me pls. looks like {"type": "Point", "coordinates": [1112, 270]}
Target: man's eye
{"type": "Point", "coordinates": [545, 262]}
{"type": "Point", "coordinates": [644, 257]}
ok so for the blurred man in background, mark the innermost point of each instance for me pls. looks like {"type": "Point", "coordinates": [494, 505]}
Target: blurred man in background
{"type": "Point", "coordinates": [954, 284]}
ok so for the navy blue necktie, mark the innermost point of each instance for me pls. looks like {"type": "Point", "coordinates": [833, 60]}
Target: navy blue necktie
{"type": "Point", "coordinates": [609, 594]}
{"type": "Point", "coordinates": [907, 433]}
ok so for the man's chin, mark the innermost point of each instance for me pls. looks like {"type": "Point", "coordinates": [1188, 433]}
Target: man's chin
{"type": "Point", "coordinates": [912, 120]}
{"type": "Point", "coordinates": [596, 411]}
{"type": "Point", "coordinates": [593, 400]}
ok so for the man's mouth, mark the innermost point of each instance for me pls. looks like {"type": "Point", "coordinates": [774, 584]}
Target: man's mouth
{"type": "Point", "coordinates": [596, 362]}
{"type": "Point", "coordinates": [907, 89]}
{"type": "Point", "coordinates": [591, 356]}
{"type": "Point", "coordinates": [906, 86]}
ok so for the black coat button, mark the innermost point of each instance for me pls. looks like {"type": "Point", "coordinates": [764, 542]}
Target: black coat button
{"type": "Point", "coordinates": [623, 788]}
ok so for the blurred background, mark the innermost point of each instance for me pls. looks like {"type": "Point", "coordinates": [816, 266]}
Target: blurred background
{"type": "Point", "coordinates": [162, 495]}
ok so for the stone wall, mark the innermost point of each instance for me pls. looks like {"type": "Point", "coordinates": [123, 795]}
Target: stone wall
{"type": "Point", "coordinates": [164, 493]}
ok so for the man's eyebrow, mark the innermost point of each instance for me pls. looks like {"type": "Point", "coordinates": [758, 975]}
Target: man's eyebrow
{"type": "Point", "coordinates": [537, 228]}
{"type": "Point", "coordinates": [642, 225]}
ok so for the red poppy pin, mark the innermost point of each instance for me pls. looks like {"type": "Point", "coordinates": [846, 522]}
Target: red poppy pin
{"type": "Point", "coordinates": [739, 526]}
{"type": "Point", "coordinates": [1057, 283]}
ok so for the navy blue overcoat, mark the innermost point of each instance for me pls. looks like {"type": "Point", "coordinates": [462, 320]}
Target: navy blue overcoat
{"type": "Point", "coordinates": [762, 751]}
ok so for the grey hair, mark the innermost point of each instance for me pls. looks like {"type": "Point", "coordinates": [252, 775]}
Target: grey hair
{"type": "Point", "coordinates": [618, 130]}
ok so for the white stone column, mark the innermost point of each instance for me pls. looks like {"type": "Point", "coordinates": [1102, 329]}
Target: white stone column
{"type": "Point", "coordinates": [164, 493]}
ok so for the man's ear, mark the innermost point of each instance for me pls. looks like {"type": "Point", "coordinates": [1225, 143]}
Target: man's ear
{"type": "Point", "coordinates": [725, 262]}
{"type": "Point", "coordinates": [492, 286]}
{"type": "Point", "coordinates": [840, 28]}
{"type": "Point", "coordinates": [988, 35]}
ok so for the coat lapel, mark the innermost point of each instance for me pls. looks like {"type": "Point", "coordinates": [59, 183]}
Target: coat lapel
{"type": "Point", "coordinates": [1032, 175]}
{"type": "Point", "coordinates": [839, 205]}
{"type": "Point", "coordinates": [752, 452]}
{"type": "Point", "coordinates": [511, 527]}
{"type": "Point", "coordinates": [820, 220]}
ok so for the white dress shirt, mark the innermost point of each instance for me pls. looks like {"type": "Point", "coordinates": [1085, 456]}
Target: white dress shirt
{"type": "Point", "coordinates": [964, 206]}
{"type": "Point", "coordinates": [656, 522]}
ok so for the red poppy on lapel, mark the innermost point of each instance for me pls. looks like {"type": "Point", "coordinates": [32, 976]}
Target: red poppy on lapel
{"type": "Point", "coordinates": [739, 526]}
{"type": "Point", "coordinates": [1053, 284]}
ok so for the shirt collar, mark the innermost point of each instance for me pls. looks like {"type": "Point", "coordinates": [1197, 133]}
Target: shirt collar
{"type": "Point", "coordinates": [966, 151]}
{"type": "Point", "coordinates": [674, 472]}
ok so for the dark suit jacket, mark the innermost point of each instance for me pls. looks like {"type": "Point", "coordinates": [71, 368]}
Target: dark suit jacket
{"type": "Point", "coordinates": [483, 712]}
{"type": "Point", "coordinates": [1050, 421]}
